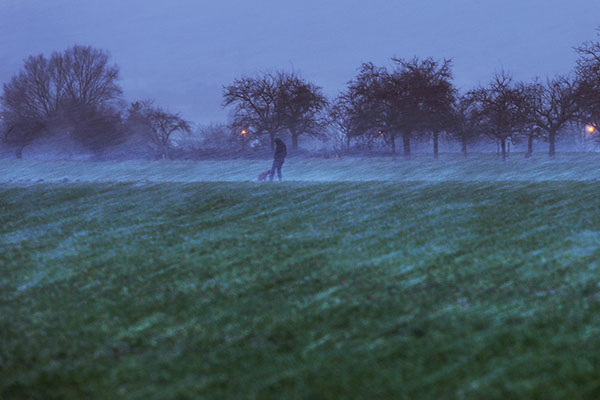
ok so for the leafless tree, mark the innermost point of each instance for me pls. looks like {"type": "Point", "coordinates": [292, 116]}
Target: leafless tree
{"type": "Point", "coordinates": [413, 98]}
{"type": "Point", "coordinates": [300, 105]}
{"type": "Point", "coordinates": [87, 76]}
{"type": "Point", "coordinates": [503, 108]}
{"type": "Point", "coordinates": [160, 124]}
{"type": "Point", "coordinates": [255, 103]}
{"type": "Point", "coordinates": [588, 82]}
{"type": "Point", "coordinates": [428, 95]}
{"type": "Point", "coordinates": [464, 124]}
{"type": "Point", "coordinates": [56, 92]}
{"type": "Point", "coordinates": [370, 106]}
{"type": "Point", "coordinates": [344, 117]}
{"type": "Point", "coordinates": [552, 107]}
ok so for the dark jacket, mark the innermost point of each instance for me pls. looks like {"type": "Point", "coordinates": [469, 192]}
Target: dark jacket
{"type": "Point", "coordinates": [280, 150]}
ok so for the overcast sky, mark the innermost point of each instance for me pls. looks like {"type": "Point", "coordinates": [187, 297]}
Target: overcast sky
{"type": "Point", "coordinates": [181, 52]}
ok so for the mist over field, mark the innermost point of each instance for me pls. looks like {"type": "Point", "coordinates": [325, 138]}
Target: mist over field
{"type": "Point", "coordinates": [421, 168]}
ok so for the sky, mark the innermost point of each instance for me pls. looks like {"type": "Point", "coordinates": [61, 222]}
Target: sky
{"type": "Point", "coordinates": [182, 52]}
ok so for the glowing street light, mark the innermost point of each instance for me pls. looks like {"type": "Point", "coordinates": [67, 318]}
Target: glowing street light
{"type": "Point", "coordinates": [244, 132]}
{"type": "Point", "coordinates": [591, 129]}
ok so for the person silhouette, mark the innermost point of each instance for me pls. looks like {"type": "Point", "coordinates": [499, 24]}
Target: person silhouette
{"type": "Point", "coordinates": [278, 159]}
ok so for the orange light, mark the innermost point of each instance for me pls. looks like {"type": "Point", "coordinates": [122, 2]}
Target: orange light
{"type": "Point", "coordinates": [590, 129]}
{"type": "Point", "coordinates": [244, 132]}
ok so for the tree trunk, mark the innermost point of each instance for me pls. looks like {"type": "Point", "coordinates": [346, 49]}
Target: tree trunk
{"type": "Point", "coordinates": [435, 144]}
{"type": "Point", "coordinates": [529, 146]}
{"type": "Point", "coordinates": [295, 140]}
{"type": "Point", "coordinates": [464, 146]}
{"type": "Point", "coordinates": [552, 143]}
{"type": "Point", "coordinates": [406, 144]}
{"type": "Point", "coordinates": [393, 140]}
{"type": "Point", "coordinates": [497, 148]}
{"type": "Point", "coordinates": [348, 142]}
{"type": "Point", "coordinates": [503, 145]}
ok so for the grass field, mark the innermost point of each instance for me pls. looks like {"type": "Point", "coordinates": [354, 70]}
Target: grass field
{"type": "Point", "coordinates": [421, 167]}
{"type": "Point", "coordinates": [317, 290]}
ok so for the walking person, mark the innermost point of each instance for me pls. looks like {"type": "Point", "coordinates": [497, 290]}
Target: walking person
{"type": "Point", "coordinates": [278, 159]}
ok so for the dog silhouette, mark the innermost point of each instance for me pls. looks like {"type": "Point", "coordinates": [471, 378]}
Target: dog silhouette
{"type": "Point", "coordinates": [263, 175]}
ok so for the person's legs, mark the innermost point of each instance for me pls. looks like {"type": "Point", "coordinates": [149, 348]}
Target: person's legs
{"type": "Point", "coordinates": [279, 165]}
{"type": "Point", "coordinates": [273, 167]}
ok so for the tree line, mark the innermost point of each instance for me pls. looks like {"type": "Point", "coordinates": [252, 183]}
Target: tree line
{"type": "Point", "coordinates": [416, 99]}
{"type": "Point", "coordinates": [75, 92]}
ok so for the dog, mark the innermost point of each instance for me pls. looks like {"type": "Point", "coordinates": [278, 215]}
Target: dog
{"type": "Point", "coordinates": [263, 175]}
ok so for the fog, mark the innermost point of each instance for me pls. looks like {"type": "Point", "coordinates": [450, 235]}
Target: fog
{"type": "Point", "coordinates": [477, 167]}
{"type": "Point", "coordinates": [182, 54]}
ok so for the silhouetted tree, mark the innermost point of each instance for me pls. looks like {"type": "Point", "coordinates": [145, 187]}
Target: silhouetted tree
{"type": "Point", "coordinates": [413, 98]}
{"type": "Point", "coordinates": [503, 108]}
{"type": "Point", "coordinates": [552, 106]}
{"type": "Point", "coordinates": [531, 133]}
{"type": "Point", "coordinates": [464, 123]}
{"type": "Point", "coordinates": [363, 107]}
{"type": "Point", "coordinates": [588, 82]}
{"type": "Point", "coordinates": [159, 124]}
{"type": "Point", "coordinates": [19, 132]}
{"type": "Point", "coordinates": [300, 105]}
{"type": "Point", "coordinates": [339, 118]}
{"type": "Point", "coordinates": [429, 96]}
{"type": "Point", "coordinates": [354, 112]}
{"type": "Point", "coordinates": [74, 90]}
{"type": "Point", "coordinates": [273, 102]}
{"type": "Point", "coordinates": [255, 103]}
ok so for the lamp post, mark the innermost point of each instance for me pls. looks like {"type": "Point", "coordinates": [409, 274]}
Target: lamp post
{"type": "Point", "coordinates": [244, 134]}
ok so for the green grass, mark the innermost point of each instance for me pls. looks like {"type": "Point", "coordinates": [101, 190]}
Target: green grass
{"type": "Point", "coordinates": [420, 168]}
{"type": "Point", "coordinates": [300, 290]}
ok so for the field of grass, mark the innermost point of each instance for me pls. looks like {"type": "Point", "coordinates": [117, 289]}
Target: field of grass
{"type": "Point", "coordinates": [421, 167]}
{"type": "Point", "coordinates": [430, 290]}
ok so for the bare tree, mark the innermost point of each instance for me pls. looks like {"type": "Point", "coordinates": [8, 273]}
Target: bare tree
{"type": "Point", "coordinates": [87, 76]}
{"type": "Point", "coordinates": [255, 103]}
{"type": "Point", "coordinates": [300, 105]}
{"type": "Point", "coordinates": [20, 132]}
{"type": "Point", "coordinates": [55, 93]}
{"type": "Point", "coordinates": [588, 82]}
{"type": "Point", "coordinates": [552, 106]}
{"type": "Point", "coordinates": [428, 97]}
{"type": "Point", "coordinates": [161, 125]}
{"type": "Point", "coordinates": [28, 103]}
{"type": "Point", "coordinates": [414, 97]}
{"type": "Point", "coordinates": [503, 108]}
{"type": "Point", "coordinates": [345, 116]}
{"type": "Point", "coordinates": [464, 122]}
{"type": "Point", "coordinates": [371, 105]}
